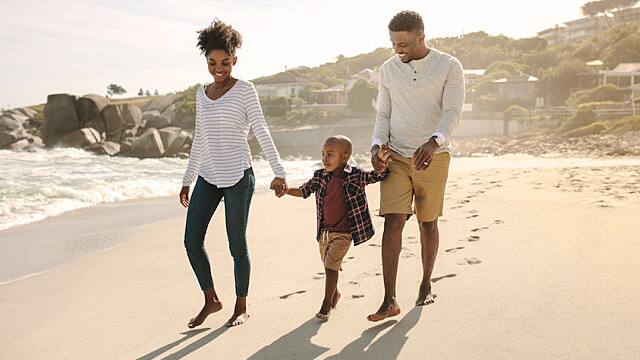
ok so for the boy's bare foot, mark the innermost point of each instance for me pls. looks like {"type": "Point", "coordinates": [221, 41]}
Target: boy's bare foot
{"type": "Point", "coordinates": [237, 319]}
{"type": "Point", "coordinates": [386, 310]}
{"type": "Point", "coordinates": [336, 298]}
{"type": "Point", "coordinates": [425, 296]}
{"type": "Point", "coordinates": [322, 317]}
{"type": "Point", "coordinates": [207, 309]}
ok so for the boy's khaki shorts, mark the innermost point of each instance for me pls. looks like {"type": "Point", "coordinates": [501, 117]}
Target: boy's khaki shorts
{"type": "Point", "coordinates": [333, 247]}
{"type": "Point", "coordinates": [404, 183]}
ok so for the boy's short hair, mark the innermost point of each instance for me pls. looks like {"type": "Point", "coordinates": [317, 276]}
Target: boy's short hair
{"type": "Point", "coordinates": [409, 21]}
{"type": "Point", "coordinates": [342, 141]}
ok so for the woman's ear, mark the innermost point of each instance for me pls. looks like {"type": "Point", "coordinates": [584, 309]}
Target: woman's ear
{"type": "Point", "coordinates": [235, 60]}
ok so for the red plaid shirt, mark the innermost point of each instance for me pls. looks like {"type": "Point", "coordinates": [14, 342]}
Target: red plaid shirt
{"type": "Point", "coordinates": [354, 181]}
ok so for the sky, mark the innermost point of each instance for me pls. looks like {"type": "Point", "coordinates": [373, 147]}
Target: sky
{"type": "Point", "coordinates": [80, 47]}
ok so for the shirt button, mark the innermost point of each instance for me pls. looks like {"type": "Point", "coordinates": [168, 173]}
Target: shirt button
{"type": "Point", "coordinates": [414, 79]}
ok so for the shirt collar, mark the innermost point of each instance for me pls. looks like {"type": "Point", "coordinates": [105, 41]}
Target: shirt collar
{"type": "Point", "coordinates": [420, 63]}
{"type": "Point", "coordinates": [348, 169]}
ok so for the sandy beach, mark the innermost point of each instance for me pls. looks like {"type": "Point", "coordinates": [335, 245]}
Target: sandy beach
{"type": "Point", "coordinates": [533, 263]}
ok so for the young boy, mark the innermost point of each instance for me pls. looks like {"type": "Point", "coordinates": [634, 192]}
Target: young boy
{"type": "Point", "coordinates": [342, 210]}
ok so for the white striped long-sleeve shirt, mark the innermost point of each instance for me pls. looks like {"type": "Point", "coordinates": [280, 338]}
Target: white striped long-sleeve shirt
{"type": "Point", "coordinates": [220, 152]}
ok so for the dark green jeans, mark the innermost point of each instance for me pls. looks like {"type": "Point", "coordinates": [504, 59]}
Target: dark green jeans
{"type": "Point", "coordinates": [204, 201]}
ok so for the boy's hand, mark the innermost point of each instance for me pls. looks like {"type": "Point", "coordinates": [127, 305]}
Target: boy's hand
{"type": "Point", "coordinates": [280, 187]}
{"type": "Point", "coordinates": [380, 159]}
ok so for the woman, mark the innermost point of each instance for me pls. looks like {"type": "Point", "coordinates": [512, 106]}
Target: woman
{"type": "Point", "coordinates": [221, 160]}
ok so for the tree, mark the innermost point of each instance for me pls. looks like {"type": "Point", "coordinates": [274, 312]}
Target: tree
{"type": "Point", "coordinates": [140, 92]}
{"type": "Point", "coordinates": [361, 96]}
{"type": "Point", "coordinates": [114, 89]}
{"type": "Point", "coordinates": [147, 93]}
{"type": "Point", "coordinates": [155, 93]}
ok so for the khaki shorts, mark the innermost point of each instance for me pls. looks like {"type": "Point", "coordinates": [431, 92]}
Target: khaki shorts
{"type": "Point", "coordinates": [404, 183]}
{"type": "Point", "coordinates": [333, 248]}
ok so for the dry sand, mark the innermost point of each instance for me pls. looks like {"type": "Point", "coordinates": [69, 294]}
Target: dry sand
{"type": "Point", "coordinates": [533, 263]}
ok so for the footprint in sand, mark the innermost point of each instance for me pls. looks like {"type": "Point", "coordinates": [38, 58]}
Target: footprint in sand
{"type": "Point", "coordinates": [353, 282]}
{"type": "Point", "coordinates": [374, 245]}
{"type": "Point", "coordinates": [480, 228]}
{"type": "Point", "coordinates": [455, 249]}
{"type": "Point", "coordinates": [473, 238]}
{"type": "Point", "coordinates": [357, 296]}
{"type": "Point", "coordinates": [472, 216]}
{"type": "Point", "coordinates": [318, 276]}
{"type": "Point", "coordinates": [470, 261]}
{"type": "Point", "coordinates": [448, 276]}
{"type": "Point", "coordinates": [408, 255]}
{"type": "Point", "coordinates": [464, 201]}
{"type": "Point", "coordinates": [351, 257]}
{"type": "Point", "coordinates": [378, 273]}
{"type": "Point", "coordinates": [293, 293]}
{"type": "Point", "coordinates": [498, 221]}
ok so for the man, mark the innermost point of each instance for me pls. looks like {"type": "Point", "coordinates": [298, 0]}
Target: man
{"type": "Point", "coordinates": [420, 98]}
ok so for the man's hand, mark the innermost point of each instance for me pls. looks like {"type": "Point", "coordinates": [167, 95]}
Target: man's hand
{"type": "Point", "coordinates": [279, 185]}
{"type": "Point", "coordinates": [424, 154]}
{"type": "Point", "coordinates": [184, 196]}
{"type": "Point", "coordinates": [380, 158]}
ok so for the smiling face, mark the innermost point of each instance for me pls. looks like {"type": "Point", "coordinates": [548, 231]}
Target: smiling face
{"type": "Point", "coordinates": [220, 64]}
{"type": "Point", "coordinates": [333, 156]}
{"type": "Point", "coordinates": [408, 45]}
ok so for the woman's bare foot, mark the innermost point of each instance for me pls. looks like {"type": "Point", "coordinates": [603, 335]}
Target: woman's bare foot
{"type": "Point", "coordinates": [336, 298]}
{"type": "Point", "coordinates": [387, 309]}
{"type": "Point", "coordinates": [425, 296]}
{"type": "Point", "coordinates": [209, 308]}
{"type": "Point", "coordinates": [237, 319]}
{"type": "Point", "coordinates": [240, 315]}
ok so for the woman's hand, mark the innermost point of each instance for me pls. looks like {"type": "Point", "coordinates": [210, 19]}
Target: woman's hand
{"type": "Point", "coordinates": [280, 186]}
{"type": "Point", "coordinates": [184, 196]}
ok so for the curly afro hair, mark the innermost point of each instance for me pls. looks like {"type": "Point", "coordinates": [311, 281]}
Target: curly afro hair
{"type": "Point", "coordinates": [219, 36]}
{"type": "Point", "coordinates": [407, 20]}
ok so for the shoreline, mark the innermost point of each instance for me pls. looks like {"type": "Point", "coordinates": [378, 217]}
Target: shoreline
{"type": "Point", "coordinates": [52, 244]}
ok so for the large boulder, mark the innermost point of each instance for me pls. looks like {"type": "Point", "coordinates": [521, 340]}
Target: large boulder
{"type": "Point", "coordinates": [81, 138]}
{"type": "Point", "coordinates": [153, 119]}
{"type": "Point", "coordinates": [60, 117]}
{"type": "Point", "coordinates": [28, 112]}
{"type": "Point", "coordinates": [120, 117]}
{"type": "Point", "coordinates": [160, 103]}
{"type": "Point", "coordinates": [173, 138]}
{"type": "Point", "coordinates": [106, 148]}
{"type": "Point", "coordinates": [11, 130]}
{"type": "Point", "coordinates": [148, 145]}
{"type": "Point", "coordinates": [27, 143]}
{"type": "Point", "coordinates": [89, 109]}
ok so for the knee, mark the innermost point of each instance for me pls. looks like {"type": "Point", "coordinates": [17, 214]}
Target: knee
{"type": "Point", "coordinates": [394, 223]}
{"type": "Point", "coordinates": [192, 243]}
{"type": "Point", "coordinates": [239, 251]}
{"type": "Point", "coordinates": [429, 227]}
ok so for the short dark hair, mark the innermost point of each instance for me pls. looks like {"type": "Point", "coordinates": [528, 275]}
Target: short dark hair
{"type": "Point", "coordinates": [219, 36]}
{"type": "Point", "coordinates": [407, 20]}
{"type": "Point", "coordinates": [342, 141]}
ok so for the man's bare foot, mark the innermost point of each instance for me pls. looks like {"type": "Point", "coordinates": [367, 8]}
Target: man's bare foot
{"type": "Point", "coordinates": [336, 298]}
{"type": "Point", "coordinates": [425, 296]}
{"type": "Point", "coordinates": [207, 309]}
{"type": "Point", "coordinates": [237, 319]}
{"type": "Point", "coordinates": [386, 310]}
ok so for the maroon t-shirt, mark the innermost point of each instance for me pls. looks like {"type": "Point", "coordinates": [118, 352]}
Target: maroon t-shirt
{"type": "Point", "coordinates": [335, 212]}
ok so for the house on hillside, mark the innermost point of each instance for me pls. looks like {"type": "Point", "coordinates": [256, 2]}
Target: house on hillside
{"type": "Point", "coordinates": [522, 88]}
{"type": "Point", "coordinates": [554, 36]}
{"type": "Point", "coordinates": [576, 30]}
{"type": "Point", "coordinates": [626, 15]}
{"type": "Point", "coordinates": [333, 95]}
{"type": "Point", "coordinates": [625, 75]}
{"type": "Point", "coordinates": [280, 85]}
{"type": "Point", "coordinates": [368, 75]}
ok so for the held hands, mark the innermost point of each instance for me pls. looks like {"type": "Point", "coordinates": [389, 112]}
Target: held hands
{"type": "Point", "coordinates": [380, 158]}
{"type": "Point", "coordinates": [280, 187]}
{"type": "Point", "coordinates": [184, 196]}
{"type": "Point", "coordinates": [424, 154]}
